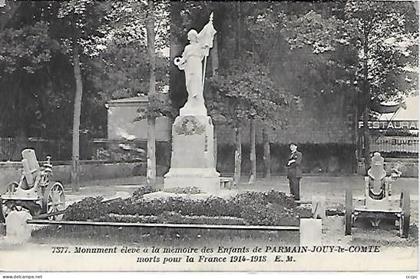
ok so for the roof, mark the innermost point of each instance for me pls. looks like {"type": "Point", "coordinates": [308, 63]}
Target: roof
{"type": "Point", "coordinates": [130, 101]}
{"type": "Point", "coordinates": [410, 112]}
{"type": "Point", "coordinates": [127, 102]}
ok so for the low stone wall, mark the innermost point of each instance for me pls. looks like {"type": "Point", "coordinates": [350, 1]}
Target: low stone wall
{"type": "Point", "coordinates": [89, 170]}
{"type": "Point", "coordinates": [9, 171]}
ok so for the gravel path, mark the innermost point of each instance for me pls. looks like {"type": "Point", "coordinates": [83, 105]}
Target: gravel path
{"type": "Point", "coordinates": [332, 188]}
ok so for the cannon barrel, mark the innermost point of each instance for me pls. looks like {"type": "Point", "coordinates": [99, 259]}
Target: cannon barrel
{"type": "Point", "coordinates": [31, 168]}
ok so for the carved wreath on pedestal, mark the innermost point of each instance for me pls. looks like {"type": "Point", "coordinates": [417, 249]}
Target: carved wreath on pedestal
{"type": "Point", "coordinates": [189, 125]}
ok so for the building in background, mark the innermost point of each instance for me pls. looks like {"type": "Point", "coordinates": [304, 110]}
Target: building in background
{"type": "Point", "coordinates": [127, 137]}
{"type": "Point", "coordinates": [122, 125]}
{"type": "Point", "coordinates": [396, 135]}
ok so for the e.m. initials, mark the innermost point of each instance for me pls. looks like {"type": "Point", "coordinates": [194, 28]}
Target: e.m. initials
{"type": "Point", "coordinates": [284, 259]}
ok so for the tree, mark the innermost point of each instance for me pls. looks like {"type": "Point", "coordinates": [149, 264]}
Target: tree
{"type": "Point", "coordinates": [267, 153]}
{"type": "Point", "coordinates": [95, 26]}
{"type": "Point", "coordinates": [122, 69]}
{"type": "Point", "coordinates": [384, 36]}
{"type": "Point", "coordinates": [26, 51]}
{"type": "Point", "coordinates": [377, 40]}
{"type": "Point", "coordinates": [151, 119]}
{"type": "Point", "coordinates": [140, 29]}
{"type": "Point", "coordinates": [264, 23]}
{"type": "Point", "coordinates": [146, 24]}
{"type": "Point", "coordinates": [8, 11]}
{"type": "Point", "coordinates": [82, 21]}
{"type": "Point", "coordinates": [263, 46]}
{"type": "Point", "coordinates": [147, 21]}
{"type": "Point", "coordinates": [239, 95]}
{"type": "Point", "coordinates": [39, 70]}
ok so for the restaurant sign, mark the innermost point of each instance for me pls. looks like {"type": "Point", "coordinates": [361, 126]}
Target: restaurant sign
{"type": "Point", "coordinates": [395, 144]}
{"type": "Point", "coordinates": [391, 125]}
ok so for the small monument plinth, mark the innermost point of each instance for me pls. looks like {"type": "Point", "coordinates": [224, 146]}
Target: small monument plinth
{"type": "Point", "coordinates": [192, 161]}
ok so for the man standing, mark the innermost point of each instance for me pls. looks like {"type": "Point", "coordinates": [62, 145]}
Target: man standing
{"type": "Point", "coordinates": [294, 171]}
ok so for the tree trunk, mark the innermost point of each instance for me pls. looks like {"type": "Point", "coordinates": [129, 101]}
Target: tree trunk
{"type": "Point", "coordinates": [366, 99]}
{"type": "Point", "coordinates": [238, 136]}
{"type": "Point", "coordinates": [252, 153]}
{"type": "Point", "coordinates": [215, 147]}
{"type": "Point", "coordinates": [366, 138]}
{"type": "Point", "coordinates": [21, 114]}
{"type": "Point", "coordinates": [151, 152]}
{"type": "Point", "coordinates": [238, 28]}
{"type": "Point", "coordinates": [76, 120]}
{"type": "Point", "coordinates": [357, 133]}
{"type": "Point", "coordinates": [238, 156]}
{"type": "Point", "coordinates": [267, 154]}
{"type": "Point", "coordinates": [151, 119]}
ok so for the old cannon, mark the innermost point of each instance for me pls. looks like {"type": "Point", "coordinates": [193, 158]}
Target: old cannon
{"type": "Point", "coordinates": [377, 203]}
{"type": "Point", "coordinates": [34, 192]}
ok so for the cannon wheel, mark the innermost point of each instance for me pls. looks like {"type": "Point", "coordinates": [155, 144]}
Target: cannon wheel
{"type": "Point", "coordinates": [348, 212]}
{"type": "Point", "coordinates": [54, 200]}
{"type": "Point", "coordinates": [405, 216]}
{"type": "Point", "coordinates": [4, 208]}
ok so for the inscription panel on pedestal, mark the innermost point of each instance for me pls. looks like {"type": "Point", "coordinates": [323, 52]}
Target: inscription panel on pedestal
{"type": "Point", "coordinates": [189, 125]}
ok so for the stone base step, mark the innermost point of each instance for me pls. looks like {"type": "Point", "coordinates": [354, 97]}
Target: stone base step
{"type": "Point", "coordinates": [226, 182]}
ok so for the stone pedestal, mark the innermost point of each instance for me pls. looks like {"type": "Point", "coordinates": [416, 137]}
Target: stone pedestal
{"type": "Point", "coordinates": [310, 232]}
{"type": "Point", "coordinates": [17, 230]}
{"type": "Point", "coordinates": [193, 162]}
